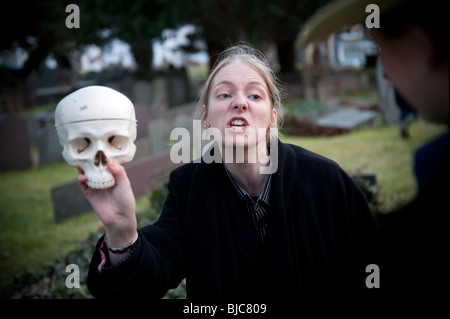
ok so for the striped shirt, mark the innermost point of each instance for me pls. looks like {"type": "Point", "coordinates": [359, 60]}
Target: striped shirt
{"type": "Point", "coordinates": [257, 207]}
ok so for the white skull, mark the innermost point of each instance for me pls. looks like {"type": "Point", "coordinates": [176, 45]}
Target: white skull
{"type": "Point", "coordinates": [93, 124]}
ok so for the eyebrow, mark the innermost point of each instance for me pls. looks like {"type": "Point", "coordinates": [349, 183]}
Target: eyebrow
{"type": "Point", "coordinates": [248, 84]}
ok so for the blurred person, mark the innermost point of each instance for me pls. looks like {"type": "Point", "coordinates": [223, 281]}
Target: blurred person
{"type": "Point", "coordinates": [390, 97]}
{"type": "Point", "coordinates": [234, 233]}
{"type": "Point", "coordinates": [407, 114]}
{"type": "Point", "coordinates": [413, 42]}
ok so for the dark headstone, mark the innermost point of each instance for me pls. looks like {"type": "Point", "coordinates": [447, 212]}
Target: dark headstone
{"type": "Point", "coordinates": [43, 136]}
{"type": "Point", "coordinates": [14, 144]}
{"type": "Point", "coordinates": [178, 87]}
{"type": "Point", "coordinates": [50, 150]}
{"type": "Point", "coordinates": [69, 201]}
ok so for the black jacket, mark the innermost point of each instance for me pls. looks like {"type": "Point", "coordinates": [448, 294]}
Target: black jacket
{"type": "Point", "coordinates": [414, 239]}
{"type": "Point", "coordinates": [319, 229]}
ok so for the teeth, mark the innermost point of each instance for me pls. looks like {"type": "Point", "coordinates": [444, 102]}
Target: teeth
{"type": "Point", "coordinates": [238, 122]}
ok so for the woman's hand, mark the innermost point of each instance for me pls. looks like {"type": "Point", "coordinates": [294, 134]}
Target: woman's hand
{"type": "Point", "coordinates": [115, 206]}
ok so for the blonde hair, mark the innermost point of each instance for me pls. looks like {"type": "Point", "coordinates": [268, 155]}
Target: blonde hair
{"type": "Point", "coordinates": [256, 60]}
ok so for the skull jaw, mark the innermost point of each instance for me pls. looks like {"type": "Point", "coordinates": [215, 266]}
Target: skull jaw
{"type": "Point", "coordinates": [101, 184]}
{"type": "Point", "coordinates": [99, 178]}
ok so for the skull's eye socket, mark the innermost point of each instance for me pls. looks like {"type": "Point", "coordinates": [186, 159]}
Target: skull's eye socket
{"type": "Point", "coordinates": [118, 142]}
{"type": "Point", "coordinates": [80, 144]}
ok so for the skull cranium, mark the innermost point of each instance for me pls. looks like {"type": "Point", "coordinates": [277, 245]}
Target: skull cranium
{"type": "Point", "coordinates": [93, 124]}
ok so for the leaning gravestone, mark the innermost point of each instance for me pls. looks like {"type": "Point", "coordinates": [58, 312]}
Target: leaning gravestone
{"type": "Point", "coordinates": [346, 119]}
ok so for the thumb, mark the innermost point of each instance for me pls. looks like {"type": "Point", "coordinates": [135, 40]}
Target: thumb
{"type": "Point", "coordinates": [117, 170]}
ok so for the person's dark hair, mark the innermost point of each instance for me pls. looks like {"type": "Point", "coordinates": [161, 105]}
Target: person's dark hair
{"type": "Point", "coordinates": [429, 15]}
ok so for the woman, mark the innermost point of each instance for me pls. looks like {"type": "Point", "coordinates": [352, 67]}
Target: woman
{"type": "Point", "coordinates": [232, 230]}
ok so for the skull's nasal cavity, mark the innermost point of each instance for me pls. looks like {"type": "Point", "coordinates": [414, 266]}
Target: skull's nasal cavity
{"type": "Point", "coordinates": [100, 159]}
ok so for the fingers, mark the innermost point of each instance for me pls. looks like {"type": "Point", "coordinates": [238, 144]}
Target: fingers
{"type": "Point", "coordinates": [82, 179]}
{"type": "Point", "coordinates": [117, 170]}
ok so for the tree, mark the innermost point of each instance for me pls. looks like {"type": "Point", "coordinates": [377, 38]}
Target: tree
{"type": "Point", "coordinates": [36, 27]}
{"type": "Point", "coordinates": [258, 22]}
{"type": "Point", "coordinates": [136, 22]}
{"type": "Point", "coordinates": [39, 26]}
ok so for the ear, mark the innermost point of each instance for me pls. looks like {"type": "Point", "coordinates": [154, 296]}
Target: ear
{"type": "Point", "coordinates": [204, 116]}
{"type": "Point", "coordinates": [273, 119]}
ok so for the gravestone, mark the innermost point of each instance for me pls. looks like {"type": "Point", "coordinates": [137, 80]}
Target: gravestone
{"type": "Point", "coordinates": [158, 132]}
{"type": "Point", "coordinates": [178, 89]}
{"type": "Point", "coordinates": [142, 115]}
{"type": "Point", "coordinates": [43, 136]}
{"type": "Point", "coordinates": [183, 120]}
{"type": "Point", "coordinates": [142, 92]}
{"type": "Point", "coordinates": [69, 201]}
{"type": "Point", "coordinates": [50, 150]}
{"type": "Point", "coordinates": [14, 144]}
{"type": "Point", "coordinates": [346, 119]}
{"type": "Point", "coordinates": [337, 84]}
{"type": "Point", "coordinates": [160, 90]}
{"type": "Point", "coordinates": [47, 142]}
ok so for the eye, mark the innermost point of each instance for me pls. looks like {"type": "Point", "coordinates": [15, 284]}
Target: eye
{"type": "Point", "coordinates": [224, 96]}
{"type": "Point", "coordinates": [255, 97]}
{"type": "Point", "coordinates": [80, 144]}
{"type": "Point", "coordinates": [118, 142]}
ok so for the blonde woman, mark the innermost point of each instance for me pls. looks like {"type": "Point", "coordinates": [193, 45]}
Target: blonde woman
{"type": "Point", "coordinates": [232, 229]}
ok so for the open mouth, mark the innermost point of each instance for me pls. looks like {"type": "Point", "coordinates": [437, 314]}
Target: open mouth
{"type": "Point", "coordinates": [237, 123]}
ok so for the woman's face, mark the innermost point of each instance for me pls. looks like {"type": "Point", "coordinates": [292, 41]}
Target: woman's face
{"type": "Point", "coordinates": [240, 106]}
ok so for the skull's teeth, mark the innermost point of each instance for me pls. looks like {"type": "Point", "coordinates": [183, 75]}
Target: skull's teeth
{"type": "Point", "coordinates": [101, 185]}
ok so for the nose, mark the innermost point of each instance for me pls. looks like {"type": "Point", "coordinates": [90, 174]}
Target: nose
{"type": "Point", "coordinates": [100, 156]}
{"type": "Point", "coordinates": [100, 159]}
{"type": "Point", "coordinates": [240, 103]}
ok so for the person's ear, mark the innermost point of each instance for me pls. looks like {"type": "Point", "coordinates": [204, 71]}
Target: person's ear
{"type": "Point", "coordinates": [273, 119]}
{"type": "Point", "coordinates": [204, 117]}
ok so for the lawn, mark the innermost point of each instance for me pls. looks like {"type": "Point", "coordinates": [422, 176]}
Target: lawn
{"type": "Point", "coordinates": [29, 236]}
{"type": "Point", "coordinates": [30, 239]}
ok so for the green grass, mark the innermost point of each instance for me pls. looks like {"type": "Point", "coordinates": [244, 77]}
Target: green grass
{"type": "Point", "coordinates": [30, 239]}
